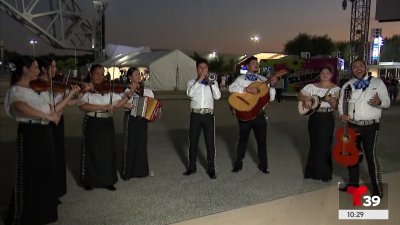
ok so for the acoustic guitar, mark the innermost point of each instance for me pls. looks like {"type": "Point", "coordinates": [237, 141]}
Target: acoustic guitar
{"type": "Point", "coordinates": [345, 151]}
{"type": "Point", "coordinates": [315, 104]}
{"type": "Point", "coordinates": [246, 106]}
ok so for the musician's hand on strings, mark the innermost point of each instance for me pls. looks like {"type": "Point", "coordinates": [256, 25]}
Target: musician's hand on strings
{"type": "Point", "coordinates": [74, 90]}
{"type": "Point", "coordinates": [375, 101]}
{"type": "Point", "coordinates": [307, 103]}
{"type": "Point", "coordinates": [273, 81]}
{"type": "Point", "coordinates": [251, 90]}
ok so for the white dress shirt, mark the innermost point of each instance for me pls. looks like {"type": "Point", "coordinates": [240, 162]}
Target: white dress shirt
{"type": "Point", "coordinates": [241, 83]}
{"type": "Point", "coordinates": [202, 96]}
{"type": "Point", "coordinates": [359, 109]}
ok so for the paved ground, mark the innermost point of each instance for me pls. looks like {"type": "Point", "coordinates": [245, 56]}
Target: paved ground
{"type": "Point", "coordinates": [169, 197]}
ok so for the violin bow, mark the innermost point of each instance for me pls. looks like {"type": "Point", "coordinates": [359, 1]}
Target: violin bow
{"type": "Point", "coordinates": [66, 81]}
{"type": "Point", "coordinates": [51, 92]}
{"type": "Point", "coordinates": [112, 85]}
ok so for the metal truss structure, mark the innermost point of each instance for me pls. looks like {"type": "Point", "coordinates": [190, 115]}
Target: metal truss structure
{"type": "Point", "coordinates": [61, 23]}
{"type": "Point", "coordinates": [359, 28]}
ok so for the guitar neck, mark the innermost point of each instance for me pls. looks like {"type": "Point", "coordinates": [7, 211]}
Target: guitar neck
{"type": "Point", "coordinates": [345, 112]}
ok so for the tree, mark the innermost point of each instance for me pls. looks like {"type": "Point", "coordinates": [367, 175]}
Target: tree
{"type": "Point", "coordinates": [390, 50]}
{"type": "Point", "coordinates": [216, 65]}
{"type": "Point", "coordinates": [316, 45]}
{"type": "Point", "coordinates": [301, 43]}
{"type": "Point", "coordinates": [344, 48]}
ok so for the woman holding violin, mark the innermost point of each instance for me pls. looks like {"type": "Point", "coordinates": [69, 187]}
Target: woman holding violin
{"type": "Point", "coordinates": [34, 200]}
{"type": "Point", "coordinates": [135, 162]}
{"type": "Point", "coordinates": [98, 163]}
{"type": "Point", "coordinates": [321, 125]}
{"type": "Point", "coordinates": [48, 71]}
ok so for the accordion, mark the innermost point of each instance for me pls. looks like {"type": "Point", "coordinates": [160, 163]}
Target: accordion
{"type": "Point", "coordinates": [146, 107]}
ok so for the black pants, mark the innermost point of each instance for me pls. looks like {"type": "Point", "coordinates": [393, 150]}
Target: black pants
{"type": "Point", "coordinates": [135, 161]}
{"type": "Point", "coordinates": [259, 125]}
{"type": "Point", "coordinates": [279, 96]}
{"type": "Point", "coordinates": [367, 139]}
{"type": "Point", "coordinates": [207, 123]}
{"type": "Point", "coordinates": [60, 161]}
{"type": "Point", "coordinates": [34, 199]}
{"type": "Point", "coordinates": [321, 126]}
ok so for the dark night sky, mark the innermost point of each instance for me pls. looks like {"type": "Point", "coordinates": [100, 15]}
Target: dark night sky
{"type": "Point", "coordinates": [206, 25]}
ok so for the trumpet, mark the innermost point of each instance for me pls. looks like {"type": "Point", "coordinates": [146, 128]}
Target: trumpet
{"type": "Point", "coordinates": [211, 78]}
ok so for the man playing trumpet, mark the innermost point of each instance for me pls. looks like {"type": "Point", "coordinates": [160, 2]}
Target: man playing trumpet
{"type": "Point", "coordinates": [202, 92]}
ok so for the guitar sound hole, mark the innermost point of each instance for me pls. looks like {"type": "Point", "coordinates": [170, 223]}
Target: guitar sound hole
{"type": "Point", "coordinates": [345, 139]}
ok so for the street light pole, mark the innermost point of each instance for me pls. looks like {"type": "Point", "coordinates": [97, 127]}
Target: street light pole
{"type": "Point", "coordinates": [33, 42]}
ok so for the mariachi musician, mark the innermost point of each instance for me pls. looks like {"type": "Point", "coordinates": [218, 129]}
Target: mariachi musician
{"type": "Point", "coordinates": [202, 92]}
{"type": "Point", "coordinates": [135, 162]}
{"type": "Point", "coordinates": [259, 123]}
{"type": "Point", "coordinates": [369, 96]}
{"type": "Point", "coordinates": [98, 163]}
{"type": "Point", "coordinates": [321, 124]}
{"type": "Point", "coordinates": [35, 199]}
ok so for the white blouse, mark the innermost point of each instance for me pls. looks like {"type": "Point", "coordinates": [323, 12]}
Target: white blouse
{"type": "Point", "coordinates": [99, 99]}
{"type": "Point", "coordinates": [22, 94]}
{"type": "Point", "coordinates": [310, 90]}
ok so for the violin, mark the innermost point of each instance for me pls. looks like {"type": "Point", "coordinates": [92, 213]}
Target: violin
{"type": "Point", "coordinates": [105, 87]}
{"type": "Point", "coordinates": [39, 85]}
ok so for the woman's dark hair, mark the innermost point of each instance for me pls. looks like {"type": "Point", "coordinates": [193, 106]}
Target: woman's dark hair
{"type": "Point", "coordinates": [200, 61]}
{"type": "Point", "coordinates": [130, 71]}
{"type": "Point", "coordinates": [91, 70]}
{"type": "Point", "coordinates": [23, 61]}
{"type": "Point", "coordinates": [328, 67]}
{"type": "Point", "coordinates": [44, 62]}
{"type": "Point", "coordinates": [95, 66]}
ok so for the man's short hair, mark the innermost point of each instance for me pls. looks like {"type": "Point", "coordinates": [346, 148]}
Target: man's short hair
{"type": "Point", "coordinates": [200, 61]}
{"type": "Point", "coordinates": [251, 58]}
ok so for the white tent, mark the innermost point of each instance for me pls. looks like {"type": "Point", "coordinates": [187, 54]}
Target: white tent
{"type": "Point", "coordinates": [169, 69]}
{"type": "Point", "coordinates": [113, 50]}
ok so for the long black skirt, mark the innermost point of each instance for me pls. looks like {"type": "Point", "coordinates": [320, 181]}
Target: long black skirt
{"type": "Point", "coordinates": [135, 162]}
{"type": "Point", "coordinates": [321, 127]}
{"type": "Point", "coordinates": [34, 199]}
{"type": "Point", "coordinates": [60, 162]}
{"type": "Point", "coordinates": [98, 162]}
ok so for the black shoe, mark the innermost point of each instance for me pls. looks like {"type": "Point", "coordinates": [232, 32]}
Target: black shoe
{"type": "Point", "coordinates": [212, 175]}
{"type": "Point", "coordinates": [88, 187]}
{"type": "Point", "coordinates": [59, 201]}
{"type": "Point", "coordinates": [236, 169]}
{"type": "Point", "coordinates": [344, 188]}
{"type": "Point", "coordinates": [264, 170]}
{"type": "Point", "coordinates": [110, 188]}
{"type": "Point", "coordinates": [378, 194]}
{"type": "Point", "coordinates": [189, 172]}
